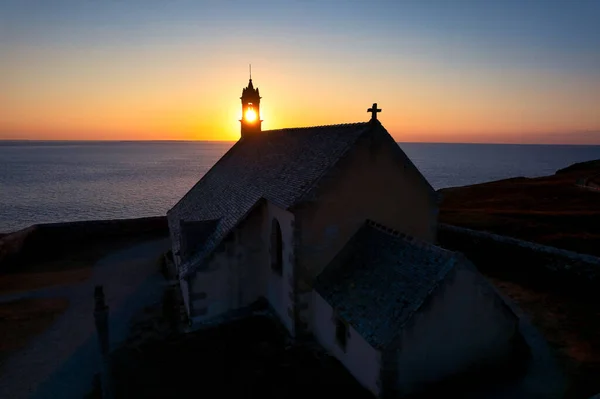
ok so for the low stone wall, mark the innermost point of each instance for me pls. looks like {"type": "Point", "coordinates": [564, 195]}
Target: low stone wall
{"type": "Point", "coordinates": [47, 241]}
{"type": "Point", "coordinates": [593, 185]}
{"type": "Point", "coordinates": [523, 260]}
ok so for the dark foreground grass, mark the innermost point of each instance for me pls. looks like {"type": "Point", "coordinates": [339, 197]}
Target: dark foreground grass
{"type": "Point", "coordinates": [243, 359]}
{"type": "Point", "coordinates": [571, 325]}
{"type": "Point", "coordinates": [253, 358]}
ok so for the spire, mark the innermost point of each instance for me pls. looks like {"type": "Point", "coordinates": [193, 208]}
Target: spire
{"type": "Point", "coordinates": [250, 85]}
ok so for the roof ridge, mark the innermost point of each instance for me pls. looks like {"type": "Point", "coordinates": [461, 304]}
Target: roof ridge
{"type": "Point", "coordinates": [317, 126]}
{"type": "Point", "coordinates": [216, 241]}
{"type": "Point", "coordinates": [398, 149]}
{"type": "Point", "coordinates": [418, 242]}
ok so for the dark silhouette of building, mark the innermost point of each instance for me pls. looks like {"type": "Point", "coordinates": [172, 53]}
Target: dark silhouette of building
{"type": "Point", "coordinates": [335, 227]}
{"type": "Point", "coordinates": [251, 122]}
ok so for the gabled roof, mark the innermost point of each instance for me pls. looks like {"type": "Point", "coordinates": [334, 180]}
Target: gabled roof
{"type": "Point", "coordinates": [281, 166]}
{"type": "Point", "coordinates": [380, 279]}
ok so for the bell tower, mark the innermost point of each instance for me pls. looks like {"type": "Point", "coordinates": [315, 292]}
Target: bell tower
{"type": "Point", "coordinates": [250, 110]}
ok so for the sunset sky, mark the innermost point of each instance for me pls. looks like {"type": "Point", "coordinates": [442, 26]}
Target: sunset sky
{"type": "Point", "coordinates": [442, 71]}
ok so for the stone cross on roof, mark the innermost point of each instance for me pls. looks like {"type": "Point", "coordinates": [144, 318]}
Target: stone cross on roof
{"type": "Point", "coordinates": [374, 110]}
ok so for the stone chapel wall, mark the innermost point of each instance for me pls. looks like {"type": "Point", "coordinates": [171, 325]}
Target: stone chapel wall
{"type": "Point", "coordinates": [371, 182]}
{"type": "Point", "coordinates": [239, 272]}
{"type": "Point", "coordinates": [359, 357]}
{"type": "Point", "coordinates": [235, 275]}
{"type": "Point", "coordinates": [280, 287]}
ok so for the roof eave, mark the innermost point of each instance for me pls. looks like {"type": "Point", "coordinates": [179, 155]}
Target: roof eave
{"type": "Point", "coordinates": [205, 253]}
{"type": "Point", "coordinates": [182, 199]}
{"type": "Point", "coordinates": [431, 191]}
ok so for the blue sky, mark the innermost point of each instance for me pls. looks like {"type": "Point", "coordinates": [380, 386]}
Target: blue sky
{"type": "Point", "coordinates": [549, 47]}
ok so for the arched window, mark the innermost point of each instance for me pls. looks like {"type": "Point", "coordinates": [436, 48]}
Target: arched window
{"type": "Point", "coordinates": [276, 248]}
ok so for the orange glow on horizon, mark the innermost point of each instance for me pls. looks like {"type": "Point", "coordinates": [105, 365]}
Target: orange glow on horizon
{"type": "Point", "coordinates": [186, 107]}
{"type": "Point", "coordinates": [120, 71]}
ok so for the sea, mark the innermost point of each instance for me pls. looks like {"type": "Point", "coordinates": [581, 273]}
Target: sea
{"type": "Point", "coordinates": [46, 182]}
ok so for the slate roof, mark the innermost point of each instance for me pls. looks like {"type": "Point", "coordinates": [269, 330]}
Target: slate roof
{"type": "Point", "coordinates": [380, 279]}
{"type": "Point", "coordinates": [281, 166]}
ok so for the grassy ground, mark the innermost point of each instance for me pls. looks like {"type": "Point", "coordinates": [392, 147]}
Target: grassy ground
{"type": "Point", "coordinates": [21, 320]}
{"type": "Point", "coordinates": [20, 282]}
{"type": "Point", "coordinates": [571, 325]}
{"type": "Point", "coordinates": [550, 210]}
{"type": "Point", "coordinates": [553, 211]}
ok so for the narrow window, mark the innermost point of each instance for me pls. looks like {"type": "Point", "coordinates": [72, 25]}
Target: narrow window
{"type": "Point", "coordinates": [341, 333]}
{"type": "Point", "coordinates": [276, 248]}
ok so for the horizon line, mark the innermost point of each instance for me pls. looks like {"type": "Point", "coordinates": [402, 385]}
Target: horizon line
{"type": "Point", "coordinates": [234, 141]}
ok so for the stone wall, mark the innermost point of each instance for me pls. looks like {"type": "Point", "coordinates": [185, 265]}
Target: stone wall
{"type": "Point", "coordinates": [48, 241]}
{"type": "Point", "coordinates": [522, 260]}
{"type": "Point", "coordinates": [373, 181]}
{"type": "Point", "coordinates": [359, 357]}
{"type": "Point", "coordinates": [439, 331]}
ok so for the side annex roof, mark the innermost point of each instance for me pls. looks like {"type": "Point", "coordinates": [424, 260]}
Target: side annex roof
{"type": "Point", "coordinates": [381, 278]}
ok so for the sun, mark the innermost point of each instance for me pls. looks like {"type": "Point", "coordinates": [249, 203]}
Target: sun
{"type": "Point", "coordinates": [250, 115]}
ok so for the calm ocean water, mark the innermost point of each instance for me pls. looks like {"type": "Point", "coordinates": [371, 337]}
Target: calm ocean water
{"type": "Point", "coordinates": [63, 181]}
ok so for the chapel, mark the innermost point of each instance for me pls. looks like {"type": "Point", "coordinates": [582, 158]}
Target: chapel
{"type": "Point", "coordinates": [336, 228]}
